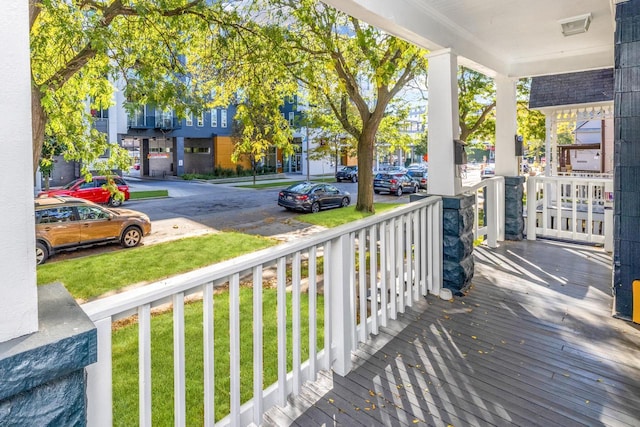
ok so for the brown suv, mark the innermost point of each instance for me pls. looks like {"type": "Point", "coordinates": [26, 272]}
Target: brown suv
{"type": "Point", "coordinates": [64, 223]}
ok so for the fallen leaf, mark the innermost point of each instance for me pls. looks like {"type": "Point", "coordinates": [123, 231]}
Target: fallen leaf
{"type": "Point", "coordinates": [416, 421]}
{"type": "Point", "coordinates": [330, 400]}
{"type": "Point", "coordinates": [474, 337]}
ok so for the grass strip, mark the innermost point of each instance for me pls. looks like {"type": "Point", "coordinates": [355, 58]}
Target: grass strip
{"type": "Point", "coordinates": [146, 194]}
{"type": "Point", "coordinates": [89, 277]}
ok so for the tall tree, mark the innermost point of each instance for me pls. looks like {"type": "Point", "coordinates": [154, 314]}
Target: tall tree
{"type": "Point", "coordinates": [352, 68]}
{"type": "Point", "coordinates": [476, 106]}
{"type": "Point", "coordinates": [81, 48]}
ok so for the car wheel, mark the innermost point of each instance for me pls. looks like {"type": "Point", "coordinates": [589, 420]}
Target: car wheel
{"type": "Point", "coordinates": [42, 253]}
{"type": "Point", "coordinates": [338, 180]}
{"type": "Point", "coordinates": [376, 191]}
{"type": "Point", "coordinates": [345, 202]}
{"type": "Point", "coordinates": [315, 207]}
{"type": "Point", "coordinates": [354, 178]}
{"type": "Point", "coordinates": [114, 202]}
{"type": "Point", "coordinates": [131, 237]}
{"type": "Point", "coordinates": [399, 192]}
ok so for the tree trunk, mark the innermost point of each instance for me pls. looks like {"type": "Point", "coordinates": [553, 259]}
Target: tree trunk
{"type": "Point", "coordinates": [365, 171]}
{"type": "Point", "coordinates": [38, 122]}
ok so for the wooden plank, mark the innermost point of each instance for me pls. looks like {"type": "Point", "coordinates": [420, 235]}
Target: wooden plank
{"type": "Point", "coordinates": [532, 343]}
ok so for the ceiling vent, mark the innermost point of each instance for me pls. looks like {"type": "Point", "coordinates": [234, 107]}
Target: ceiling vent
{"type": "Point", "coordinates": [575, 25]}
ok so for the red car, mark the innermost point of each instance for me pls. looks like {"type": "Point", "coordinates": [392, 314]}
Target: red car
{"type": "Point", "coordinates": [95, 190]}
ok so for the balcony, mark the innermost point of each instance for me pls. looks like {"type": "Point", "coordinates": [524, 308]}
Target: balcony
{"type": "Point", "coordinates": [141, 122]}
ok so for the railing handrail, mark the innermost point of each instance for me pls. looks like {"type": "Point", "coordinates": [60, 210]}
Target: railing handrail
{"type": "Point", "coordinates": [570, 179]}
{"type": "Point", "coordinates": [125, 302]}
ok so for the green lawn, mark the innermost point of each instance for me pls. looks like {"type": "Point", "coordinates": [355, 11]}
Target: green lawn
{"type": "Point", "coordinates": [125, 357]}
{"type": "Point", "coordinates": [92, 276]}
{"type": "Point", "coordinates": [335, 217]}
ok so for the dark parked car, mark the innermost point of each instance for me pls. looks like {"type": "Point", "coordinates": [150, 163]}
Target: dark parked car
{"type": "Point", "coordinates": [64, 223]}
{"type": "Point", "coordinates": [348, 173]}
{"type": "Point", "coordinates": [489, 171]}
{"type": "Point", "coordinates": [95, 191]}
{"type": "Point", "coordinates": [397, 184]}
{"type": "Point", "coordinates": [309, 196]}
{"type": "Point", "coordinates": [419, 175]}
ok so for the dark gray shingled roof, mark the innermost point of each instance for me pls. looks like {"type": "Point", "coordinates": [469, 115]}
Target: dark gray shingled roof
{"type": "Point", "coordinates": [573, 88]}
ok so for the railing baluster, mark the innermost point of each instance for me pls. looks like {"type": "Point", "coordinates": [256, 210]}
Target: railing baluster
{"type": "Point", "coordinates": [399, 278]}
{"type": "Point", "coordinates": [178, 360]}
{"type": "Point", "coordinates": [373, 278]}
{"type": "Point", "coordinates": [351, 284]}
{"type": "Point", "coordinates": [328, 297]}
{"type": "Point", "coordinates": [258, 364]}
{"type": "Point", "coordinates": [144, 363]}
{"type": "Point", "coordinates": [99, 379]}
{"type": "Point", "coordinates": [282, 331]}
{"type": "Point", "coordinates": [295, 310]}
{"type": "Point", "coordinates": [208, 341]}
{"type": "Point", "coordinates": [424, 251]}
{"type": "Point", "coordinates": [384, 272]}
{"type": "Point", "coordinates": [234, 347]}
{"type": "Point", "coordinates": [362, 282]}
{"type": "Point", "coordinates": [416, 256]}
{"type": "Point", "coordinates": [313, 318]}
{"type": "Point", "coordinates": [408, 236]}
{"type": "Point", "coordinates": [393, 291]}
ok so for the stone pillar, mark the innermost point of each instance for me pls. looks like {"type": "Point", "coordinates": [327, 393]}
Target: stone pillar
{"type": "Point", "coordinates": [626, 204]}
{"type": "Point", "coordinates": [42, 374]}
{"type": "Point", "coordinates": [513, 207]}
{"type": "Point", "coordinates": [458, 264]}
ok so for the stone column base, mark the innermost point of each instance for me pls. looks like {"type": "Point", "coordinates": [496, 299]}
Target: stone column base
{"type": "Point", "coordinates": [42, 374]}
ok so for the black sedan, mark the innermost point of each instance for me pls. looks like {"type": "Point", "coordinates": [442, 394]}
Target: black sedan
{"type": "Point", "coordinates": [348, 173]}
{"type": "Point", "coordinates": [311, 197]}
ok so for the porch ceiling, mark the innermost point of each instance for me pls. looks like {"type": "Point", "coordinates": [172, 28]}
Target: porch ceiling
{"type": "Point", "coordinates": [515, 38]}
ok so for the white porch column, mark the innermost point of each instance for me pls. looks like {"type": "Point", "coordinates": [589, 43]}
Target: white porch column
{"type": "Point", "coordinates": [443, 123]}
{"type": "Point", "coordinates": [18, 305]}
{"type": "Point", "coordinates": [506, 126]}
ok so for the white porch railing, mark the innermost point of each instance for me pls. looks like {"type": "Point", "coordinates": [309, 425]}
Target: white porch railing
{"type": "Point", "coordinates": [570, 207]}
{"type": "Point", "coordinates": [369, 271]}
{"type": "Point", "coordinates": [489, 217]}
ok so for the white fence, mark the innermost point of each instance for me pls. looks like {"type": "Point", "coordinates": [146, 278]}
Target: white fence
{"type": "Point", "coordinates": [570, 207]}
{"type": "Point", "coordinates": [489, 217]}
{"type": "Point", "coordinates": [358, 277]}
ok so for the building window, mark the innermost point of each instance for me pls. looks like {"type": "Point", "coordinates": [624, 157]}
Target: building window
{"type": "Point", "coordinates": [214, 117]}
{"type": "Point", "coordinates": [201, 150]}
{"type": "Point", "coordinates": [292, 117]}
{"type": "Point", "coordinates": [189, 119]}
{"type": "Point", "coordinates": [201, 119]}
{"type": "Point", "coordinates": [223, 118]}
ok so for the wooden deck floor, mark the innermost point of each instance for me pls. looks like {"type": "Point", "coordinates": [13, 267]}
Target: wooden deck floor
{"type": "Point", "coordinates": [533, 343]}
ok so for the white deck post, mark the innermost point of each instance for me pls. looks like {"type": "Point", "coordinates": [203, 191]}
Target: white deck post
{"type": "Point", "coordinates": [443, 123]}
{"type": "Point", "coordinates": [19, 303]}
{"type": "Point", "coordinates": [506, 126]}
{"type": "Point", "coordinates": [531, 208]}
{"type": "Point", "coordinates": [341, 305]}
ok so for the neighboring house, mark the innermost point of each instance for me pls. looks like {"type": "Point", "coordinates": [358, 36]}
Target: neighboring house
{"type": "Point", "coordinates": [582, 104]}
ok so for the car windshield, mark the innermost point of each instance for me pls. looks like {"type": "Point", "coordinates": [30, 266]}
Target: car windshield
{"type": "Point", "coordinates": [71, 184]}
{"type": "Point", "coordinates": [301, 187]}
{"type": "Point", "coordinates": [415, 173]}
{"type": "Point", "coordinates": [348, 168]}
